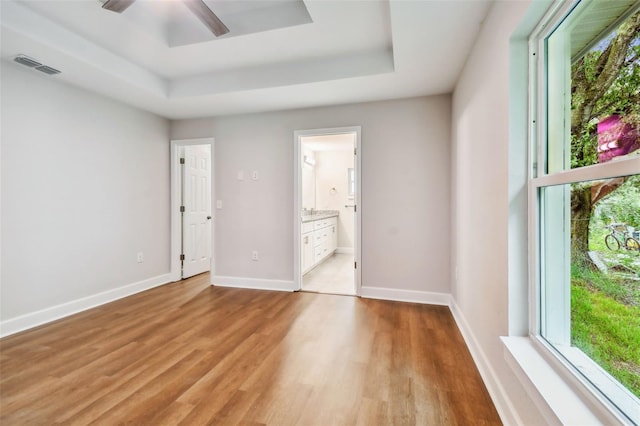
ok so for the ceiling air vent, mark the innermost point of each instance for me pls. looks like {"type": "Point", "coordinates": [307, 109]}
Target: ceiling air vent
{"type": "Point", "coordinates": [117, 5]}
{"type": "Point", "coordinates": [32, 63]}
{"type": "Point", "coordinates": [25, 60]}
{"type": "Point", "coordinates": [47, 70]}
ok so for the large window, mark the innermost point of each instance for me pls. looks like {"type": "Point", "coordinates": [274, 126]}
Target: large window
{"type": "Point", "coordinates": [585, 189]}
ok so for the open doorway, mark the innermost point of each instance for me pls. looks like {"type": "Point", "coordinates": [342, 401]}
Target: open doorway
{"type": "Point", "coordinates": [191, 207]}
{"type": "Point", "coordinates": [327, 217]}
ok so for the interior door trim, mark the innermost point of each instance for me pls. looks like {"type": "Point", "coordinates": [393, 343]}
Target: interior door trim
{"type": "Point", "coordinates": [297, 199]}
{"type": "Point", "coordinates": [176, 226]}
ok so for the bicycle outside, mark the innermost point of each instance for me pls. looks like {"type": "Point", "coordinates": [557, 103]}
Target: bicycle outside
{"type": "Point", "coordinates": [622, 235]}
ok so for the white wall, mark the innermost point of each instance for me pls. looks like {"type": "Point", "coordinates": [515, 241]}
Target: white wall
{"type": "Point", "coordinates": [405, 189]}
{"type": "Point", "coordinates": [85, 186]}
{"type": "Point", "coordinates": [331, 172]}
{"type": "Point", "coordinates": [482, 203]}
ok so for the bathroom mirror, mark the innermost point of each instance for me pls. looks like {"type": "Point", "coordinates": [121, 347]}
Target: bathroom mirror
{"type": "Point", "coordinates": [308, 188]}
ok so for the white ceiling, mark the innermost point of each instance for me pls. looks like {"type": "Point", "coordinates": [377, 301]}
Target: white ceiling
{"type": "Point", "coordinates": [158, 57]}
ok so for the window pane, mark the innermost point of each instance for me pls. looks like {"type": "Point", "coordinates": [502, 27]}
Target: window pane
{"type": "Point", "coordinates": [593, 87]}
{"type": "Point", "coordinates": [590, 278]}
{"type": "Point", "coordinates": [589, 231]}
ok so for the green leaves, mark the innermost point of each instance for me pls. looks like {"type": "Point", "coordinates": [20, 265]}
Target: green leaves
{"type": "Point", "coordinates": [623, 204]}
{"type": "Point", "coordinates": [603, 82]}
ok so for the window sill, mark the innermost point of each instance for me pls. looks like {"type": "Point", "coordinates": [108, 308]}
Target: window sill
{"type": "Point", "coordinates": [561, 398]}
{"type": "Point", "coordinates": [620, 396]}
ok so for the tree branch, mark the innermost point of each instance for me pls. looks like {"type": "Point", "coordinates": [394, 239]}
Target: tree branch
{"type": "Point", "coordinates": [633, 99]}
{"type": "Point", "coordinates": [617, 53]}
{"type": "Point", "coordinates": [608, 68]}
{"type": "Point", "coordinates": [631, 60]}
{"type": "Point", "coordinates": [601, 190]}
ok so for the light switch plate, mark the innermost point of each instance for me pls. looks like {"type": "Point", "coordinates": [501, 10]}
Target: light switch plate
{"type": "Point", "coordinates": [218, 204]}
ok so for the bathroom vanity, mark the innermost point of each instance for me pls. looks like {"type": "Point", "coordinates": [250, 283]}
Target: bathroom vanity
{"type": "Point", "coordinates": [319, 237]}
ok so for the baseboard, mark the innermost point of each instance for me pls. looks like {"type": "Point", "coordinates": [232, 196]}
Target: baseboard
{"type": "Point", "coordinates": [344, 250]}
{"type": "Point", "coordinates": [253, 283]}
{"type": "Point", "coordinates": [34, 319]}
{"type": "Point", "coordinates": [507, 412]}
{"type": "Point", "coordinates": [398, 295]}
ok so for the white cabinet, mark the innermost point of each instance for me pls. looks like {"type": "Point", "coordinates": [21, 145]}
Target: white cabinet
{"type": "Point", "coordinates": [307, 227]}
{"type": "Point", "coordinates": [333, 235]}
{"type": "Point", "coordinates": [320, 247]}
{"type": "Point", "coordinates": [307, 251]}
{"type": "Point", "coordinates": [319, 243]}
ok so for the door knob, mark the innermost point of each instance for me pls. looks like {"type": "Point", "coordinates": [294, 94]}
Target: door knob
{"type": "Point", "coordinates": [208, 217]}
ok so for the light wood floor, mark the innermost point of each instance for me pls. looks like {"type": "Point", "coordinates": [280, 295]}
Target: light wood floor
{"type": "Point", "coordinates": [188, 353]}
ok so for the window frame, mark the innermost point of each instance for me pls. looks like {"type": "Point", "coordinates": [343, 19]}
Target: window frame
{"type": "Point", "coordinates": [538, 178]}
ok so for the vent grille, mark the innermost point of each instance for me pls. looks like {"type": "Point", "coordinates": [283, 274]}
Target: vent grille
{"type": "Point", "coordinates": [27, 61]}
{"type": "Point", "coordinates": [117, 6]}
{"type": "Point", "coordinates": [32, 63]}
{"type": "Point", "coordinates": [48, 70]}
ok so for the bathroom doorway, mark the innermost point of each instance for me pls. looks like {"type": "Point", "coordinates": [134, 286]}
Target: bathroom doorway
{"type": "Point", "coordinates": [327, 225]}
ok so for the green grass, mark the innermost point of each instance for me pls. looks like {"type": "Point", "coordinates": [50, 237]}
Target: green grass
{"type": "Point", "coordinates": [597, 234]}
{"type": "Point", "coordinates": [626, 292]}
{"type": "Point", "coordinates": [604, 327]}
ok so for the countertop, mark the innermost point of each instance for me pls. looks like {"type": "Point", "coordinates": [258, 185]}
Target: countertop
{"type": "Point", "coordinates": [319, 214]}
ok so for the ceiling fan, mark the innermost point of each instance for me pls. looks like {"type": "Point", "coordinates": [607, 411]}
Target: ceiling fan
{"type": "Point", "coordinates": [197, 7]}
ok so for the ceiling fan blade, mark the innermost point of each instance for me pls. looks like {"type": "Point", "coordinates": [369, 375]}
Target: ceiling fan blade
{"type": "Point", "coordinates": [117, 6]}
{"type": "Point", "coordinates": [206, 15]}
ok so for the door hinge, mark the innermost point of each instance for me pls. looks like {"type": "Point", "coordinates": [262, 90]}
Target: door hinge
{"type": "Point", "coordinates": [355, 209]}
{"type": "Point", "coordinates": [355, 265]}
{"type": "Point", "coordinates": [182, 161]}
{"type": "Point", "coordinates": [181, 209]}
{"type": "Point", "coordinates": [182, 257]}
{"type": "Point", "coordinates": [355, 151]}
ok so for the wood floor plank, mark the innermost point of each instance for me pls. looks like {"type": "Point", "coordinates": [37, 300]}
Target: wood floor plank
{"type": "Point", "coordinates": [173, 414]}
{"type": "Point", "coordinates": [134, 377]}
{"type": "Point", "coordinates": [144, 405]}
{"type": "Point", "coordinates": [192, 354]}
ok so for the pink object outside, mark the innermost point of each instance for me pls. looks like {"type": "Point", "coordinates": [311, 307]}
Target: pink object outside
{"type": "Point", "coordinates": [616, 138]}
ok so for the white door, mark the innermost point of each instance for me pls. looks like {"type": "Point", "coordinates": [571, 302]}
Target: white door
{"type": "Point", "coordinates": [196, 219]}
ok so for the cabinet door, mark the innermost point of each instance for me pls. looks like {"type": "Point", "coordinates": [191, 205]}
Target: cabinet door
{"type": "Point", "coordinates": [307, 252]}
{"type": "Point", "coordinates": [333, 237]}
{"type": "Point", "coordinates": [318, 253]}
{"type": "Point", "coordinates": [326, 241]}
{"type": "Point", "coordinates": [318, 237]}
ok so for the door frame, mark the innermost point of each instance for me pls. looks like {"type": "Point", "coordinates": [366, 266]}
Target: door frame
{"type": "Point", "coordinates": [176, 190]}
{"type": "Point", "coordinates": [297, 200]}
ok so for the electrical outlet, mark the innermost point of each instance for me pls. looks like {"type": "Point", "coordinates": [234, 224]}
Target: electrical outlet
{"type": "Point", "coordinates": [140, 257]}
{"type": "Point", "coordinates": [254, 256]}
{"type": "Point", "coordinates": [255, 175]}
